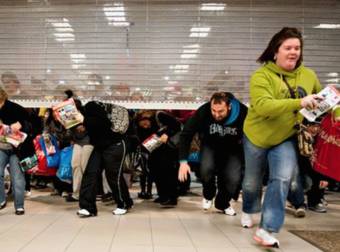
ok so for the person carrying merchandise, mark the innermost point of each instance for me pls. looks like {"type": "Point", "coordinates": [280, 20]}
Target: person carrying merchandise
{"type": "Point", "coordinates": [14, 121]}
{"type": "Point", "coordinates": [219, 124]}
{"type": "Point", "coordinates": [270, 130]}
{"type": "Point", "coordinates": [162, 161]}
{"type": "Point", "coordinates": [108, 154]}
{"type": "Point", "coordinates": [81, 150]}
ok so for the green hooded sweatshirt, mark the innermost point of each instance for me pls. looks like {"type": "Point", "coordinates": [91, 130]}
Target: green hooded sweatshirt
{"type": "Point", "coordinates": [272, 113]}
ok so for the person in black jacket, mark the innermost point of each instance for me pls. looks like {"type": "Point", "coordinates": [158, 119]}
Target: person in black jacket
{"type": "Point", "coordinates": [219, 124]}
{"type": "Point", "coordinates": [108, 153]}
{"type": "Point", "coordinates": [16, 118]}
{"type": "Point", "coordinates": [162, 161]}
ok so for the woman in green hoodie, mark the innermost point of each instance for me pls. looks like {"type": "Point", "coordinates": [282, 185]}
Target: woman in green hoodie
{"type": "Point", "coordinates": [269, 130]}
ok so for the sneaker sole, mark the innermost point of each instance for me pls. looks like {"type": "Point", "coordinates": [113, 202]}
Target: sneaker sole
{"type": "Point", "coordinates": [300, 214]}
{"type": "Point", "coordinates": [261, 242]}
{"type": "Point", "coordinates": [86, 216]}
{"type": "Point", "coordinates": [230, 214]}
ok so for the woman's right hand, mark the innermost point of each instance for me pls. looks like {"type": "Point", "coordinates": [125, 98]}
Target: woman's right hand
{"type": "Point", "coordinates": [311, 101]}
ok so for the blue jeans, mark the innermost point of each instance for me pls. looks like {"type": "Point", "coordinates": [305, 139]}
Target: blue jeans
{"type": "Point", "coordinates": [227, 167]}
{"type": "Point", "coordinates": [282, 162]}
{"type": "Point", "coordinates": [17, 178]}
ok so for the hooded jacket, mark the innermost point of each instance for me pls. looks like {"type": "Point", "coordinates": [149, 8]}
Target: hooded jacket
{"type": "Point", "coordinates": [273, 114]}
{"type": "Point", "coordinates": [225, 135]}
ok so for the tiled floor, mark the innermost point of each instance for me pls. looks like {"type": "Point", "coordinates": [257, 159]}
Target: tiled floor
{"type": "Point", "coordinates": [50, 224]}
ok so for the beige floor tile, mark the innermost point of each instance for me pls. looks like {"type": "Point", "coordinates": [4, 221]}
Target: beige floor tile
{"type": "Point", "coordinates": [133, 230]}
{"type": "Point", "coordinates": [131, 249]}
{"type": "Point", "coordinates": [169, 232]}
{"type": "Point", "coordinates": [173, 248]}
{"type": "Point", "coordinates": [50, 224]}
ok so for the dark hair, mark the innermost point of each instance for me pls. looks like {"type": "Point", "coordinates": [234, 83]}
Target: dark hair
{"type": "Point", "coordinates": [220, 97]}
{"type": "Point", "coordinates": [69, 93]}
{"type": "Point", "coordinates": [144, 115]}
{"type": "Point", "coordinates": [276, 42]}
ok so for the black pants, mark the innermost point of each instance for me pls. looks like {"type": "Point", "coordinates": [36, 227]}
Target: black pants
{"type": "Point", "coordinates": [111, 160]}
{"type": "Point", "coordinates": [315, 194]}
{"type": "Point", "coordinates": [227, 167]}
{"type": "Point", "coordinates": [163, 165]}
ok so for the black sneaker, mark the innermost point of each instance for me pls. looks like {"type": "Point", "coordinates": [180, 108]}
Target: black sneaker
{"type": "Point", "coordinates": [319, 208]}
{"type": "Point", "coordinates": [144, 195]}
{"type": "Point", "coordinates": [70, 198]}
{"type": "Point", "coordinates": [107, 197]}
{"type": "Point", "coordinates": [20, 211]}
{"type": "Point", "coordinates": [169, 203]}
{"type": "Point", "coordinates": [158, 200]}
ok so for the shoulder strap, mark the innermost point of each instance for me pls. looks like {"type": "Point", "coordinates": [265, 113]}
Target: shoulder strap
{"type": "Point", "coordinates": [291, 91]}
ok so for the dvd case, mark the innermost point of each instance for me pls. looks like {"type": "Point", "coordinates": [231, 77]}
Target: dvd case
{"type": "Point", "coordinates": [67, 113]}
{"type": "Point", "coordinates": [11, 137]}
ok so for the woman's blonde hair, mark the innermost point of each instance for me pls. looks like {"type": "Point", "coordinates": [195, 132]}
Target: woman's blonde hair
{"type": "Point", "coordinates": [3, 94]}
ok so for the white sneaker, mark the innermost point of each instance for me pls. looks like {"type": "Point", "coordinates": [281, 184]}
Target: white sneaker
{"type": "Point", "coordinates": [230, 211]}
{"type": "Point", "coordinates": [206, 204]}
{"type": "Point", "coordinates": [64, 194]}
{"type": "Point", "coordinates": [246, 220]}
{"type": "Point", "coordinates": [266, 238]}
{"type": "Point", "coordinates": [28, 194]}
{"type": "Point", "coordinates": [119, 211]}
{"type": "Point", "coordinates": [84, 213]}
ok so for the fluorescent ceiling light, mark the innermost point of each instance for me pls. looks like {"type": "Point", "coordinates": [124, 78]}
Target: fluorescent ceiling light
{"type": "Point", "coordinates": [333, 74]}
{"type": "Point", "coordinates": [192, 46]}
{"type": "Point", "coordinates": [77, 66]}
{"type": "Point", "coordinates": [200, 29]}
{"type": "Point", "coordinates": [85, 72]}
{"type": "Point", "coordinates": [198, 35]}
{"type": "Point", "coordinates": [64, 35]}
{"type": "Point", "coordinates": [116, 19]}
{"type": "Point", "coordinates": [78, 56]}
{"type": "Point", "coordinates": [166, 78]}
{"type": "Point", "coordinates": [191, 51]}
{"type": "Point", "coordinates": [213, 6]}
{"type": "Point", "coordinates": [114, 13]}
{"type": "Point", "coordinates": [64, 29]}
{"type": "Point", "coordinates": [62, 82]}
{"type": "Point", "coordinates": [118, 8]}
{"type": "Point", "coordinates": [327, 26]}
{"type": "Point", "coordinates": [119, 23]}
{"type": "Point", "coordinates": [179, 67]}
{"type": "Point", "coordinates": [188, 56]}
{"type": "Point", "coordinates": [64, 39]}
{"type": "Point", "coordinates": [180, 71]}
{"type": "Point", "coordinates": [107, 77]}
{"type": "Point", "coordinates": [335, 80]}
{"type": "Point", "coordinates": [61, 25]}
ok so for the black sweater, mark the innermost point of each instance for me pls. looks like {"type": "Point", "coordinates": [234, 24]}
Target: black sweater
{"type": "Point", "coordinates": [12, 112]}
{"type": "Point", "coordinates": [226, 135]}
{"type": "Point", "coordinates": [98, 126]}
